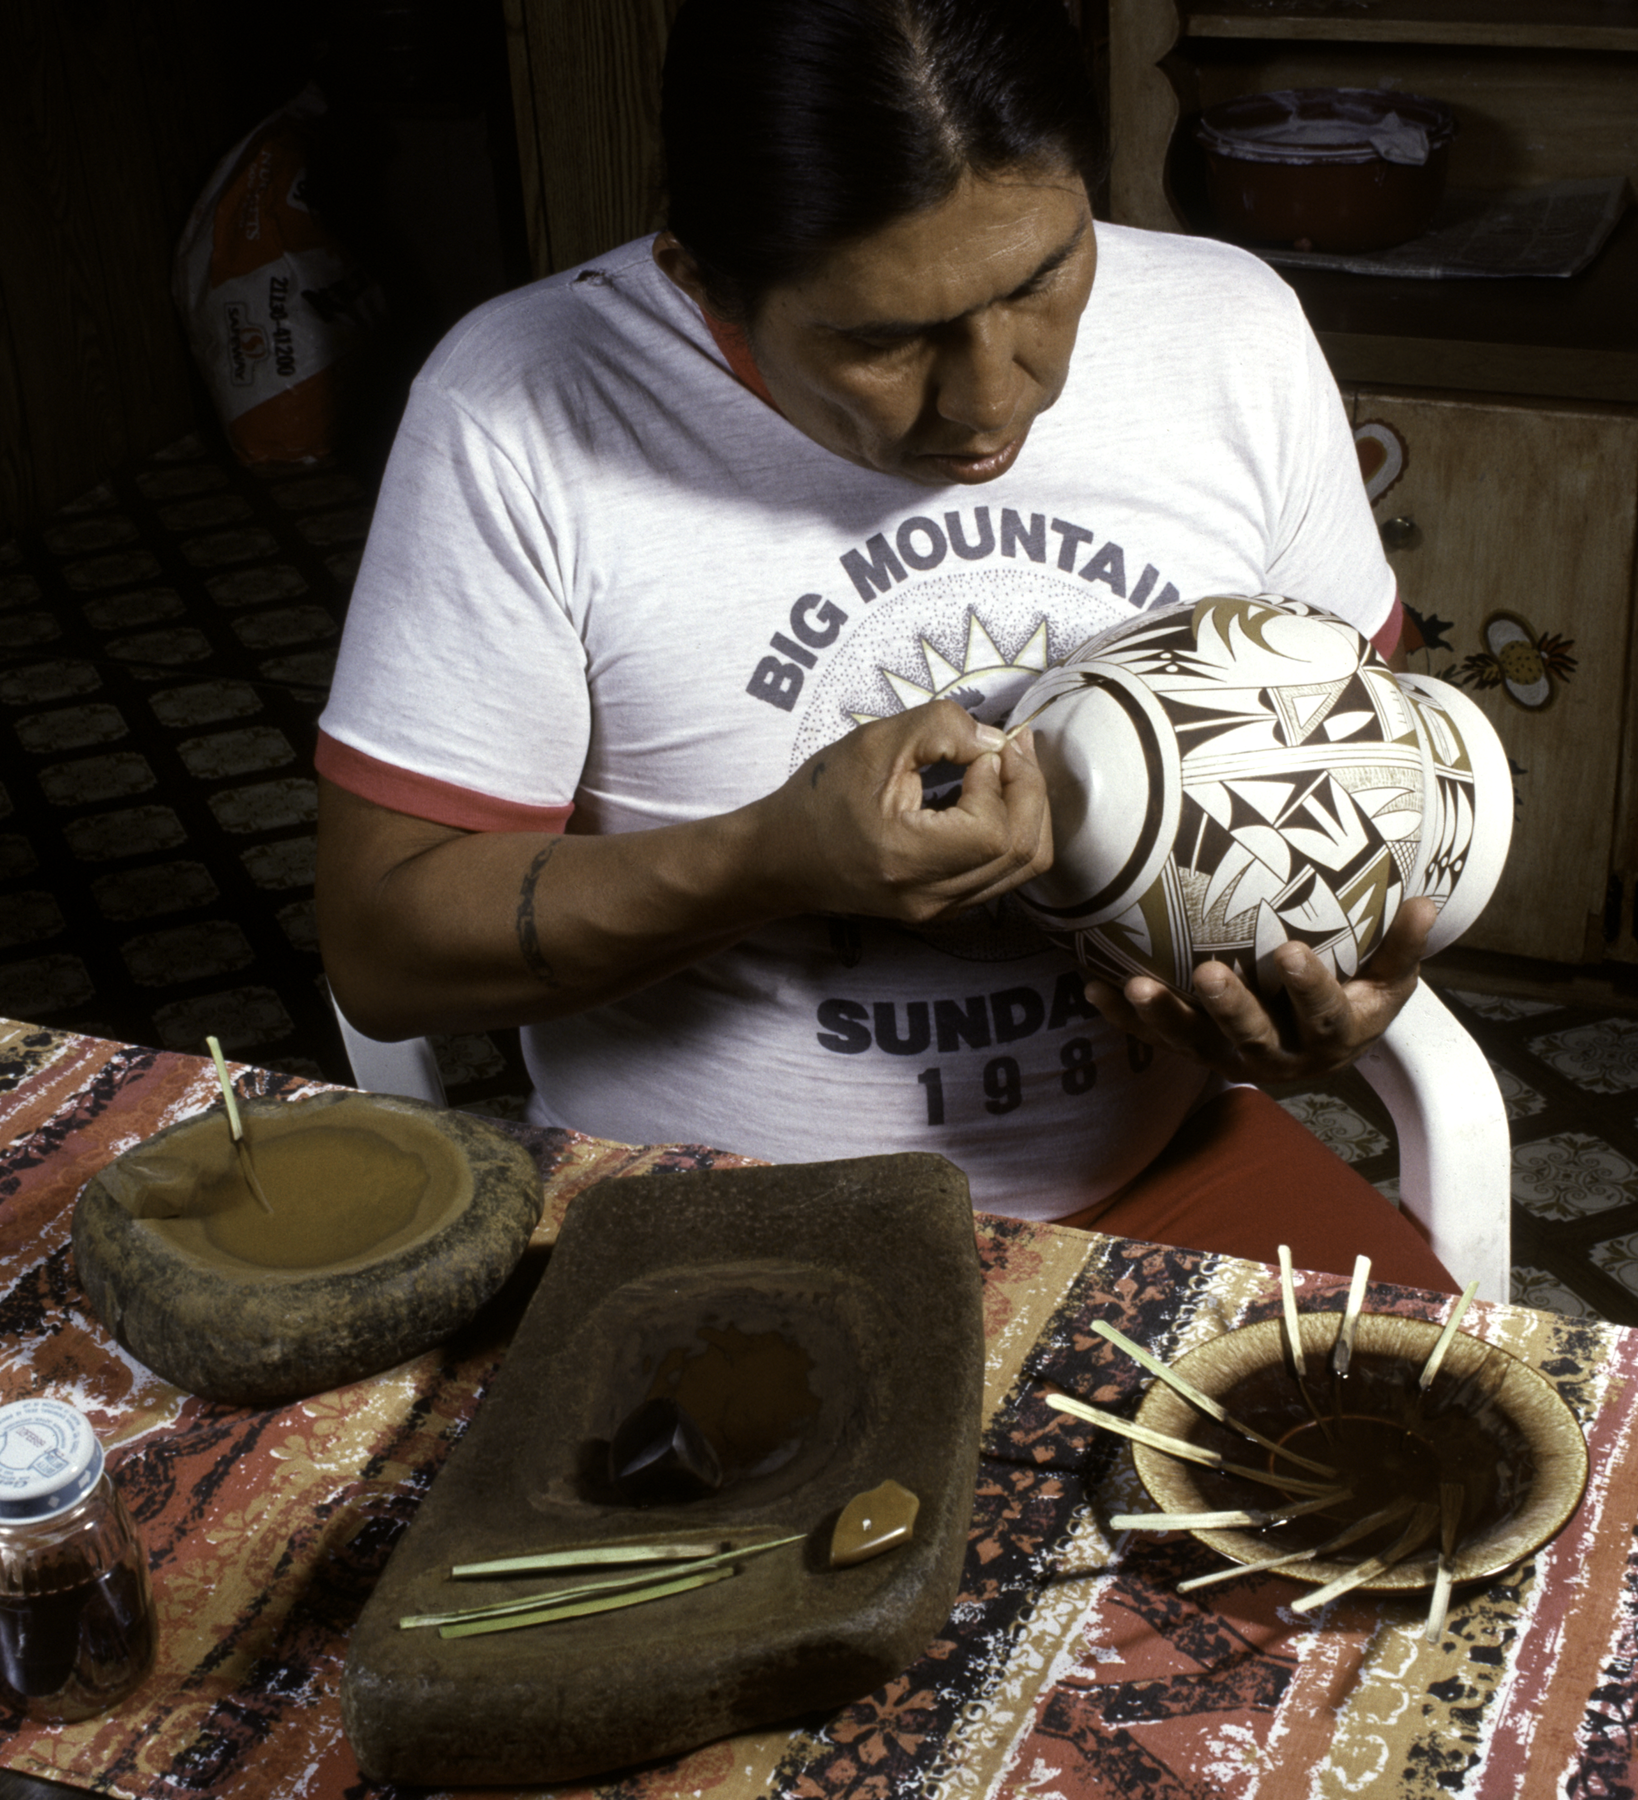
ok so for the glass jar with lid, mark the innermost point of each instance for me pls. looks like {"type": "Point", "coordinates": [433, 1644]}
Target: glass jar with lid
{"type": "Point", "coordinates": [76, 1612]}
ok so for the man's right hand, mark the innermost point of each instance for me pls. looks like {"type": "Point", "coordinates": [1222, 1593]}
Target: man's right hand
{"type": "Point", "coordinates": [850, 833]}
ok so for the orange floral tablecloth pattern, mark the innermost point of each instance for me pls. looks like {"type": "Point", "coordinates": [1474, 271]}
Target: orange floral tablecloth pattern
{"type": "Point", "coordinates": [1070, 1666]}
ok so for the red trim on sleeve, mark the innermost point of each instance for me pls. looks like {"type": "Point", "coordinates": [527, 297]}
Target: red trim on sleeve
{"type": "Point", "coordinates": [1386, 640]}
{"type": "Point", "coordinates": [731, 341]}
{"type": "Point", "coordinates": [426, 797]}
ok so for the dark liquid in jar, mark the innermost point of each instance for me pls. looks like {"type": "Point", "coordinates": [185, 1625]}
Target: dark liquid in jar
{"type": "Point", "coordinates": [72, 1652]}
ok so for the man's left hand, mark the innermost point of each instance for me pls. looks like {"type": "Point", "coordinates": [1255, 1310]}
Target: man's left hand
{"type": "Point", "coordinates": [1325, 1023]}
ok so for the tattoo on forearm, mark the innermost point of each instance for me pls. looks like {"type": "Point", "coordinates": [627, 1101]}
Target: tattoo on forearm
{"type": "Point", "coordinates": [528, 933]}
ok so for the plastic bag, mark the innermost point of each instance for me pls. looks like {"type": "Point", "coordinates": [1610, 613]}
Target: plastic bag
{"type": "Point", "coordinates": [274, 306]}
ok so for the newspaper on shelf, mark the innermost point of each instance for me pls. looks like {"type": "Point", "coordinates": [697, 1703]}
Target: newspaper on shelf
{"type": "Point", "coordinates": [1553, 230]}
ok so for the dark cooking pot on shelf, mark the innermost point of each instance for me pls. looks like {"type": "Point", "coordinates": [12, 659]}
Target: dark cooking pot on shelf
{"type": "Point", "coordinates": [1337, 169]}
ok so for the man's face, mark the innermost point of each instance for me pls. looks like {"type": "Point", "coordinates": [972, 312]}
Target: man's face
{"type": "Point", "coordinates": [929, 348]}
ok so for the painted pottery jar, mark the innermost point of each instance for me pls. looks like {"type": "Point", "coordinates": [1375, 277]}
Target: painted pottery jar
{"type": "Point", "coordinates": [1233, 774]}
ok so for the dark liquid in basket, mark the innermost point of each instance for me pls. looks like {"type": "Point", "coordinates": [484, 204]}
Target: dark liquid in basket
{"type": "Point", "coordinates": [88, 1644]}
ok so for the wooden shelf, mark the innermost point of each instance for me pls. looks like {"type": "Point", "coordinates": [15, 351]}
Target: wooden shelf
{"type": "Point", "coordinates": [1610, 25]}
{"type": "Point", "coordinates": [1573, 339]}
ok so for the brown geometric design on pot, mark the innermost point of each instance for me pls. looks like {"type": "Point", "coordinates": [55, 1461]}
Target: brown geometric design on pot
{"type": "Point", "coordinates": [1522, 662]}
{"type": "Point", "coordinates": [1242, 773]}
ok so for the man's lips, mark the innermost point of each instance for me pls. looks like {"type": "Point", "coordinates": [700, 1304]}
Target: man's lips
{"type": "Point", "coordinates": [971, 466]}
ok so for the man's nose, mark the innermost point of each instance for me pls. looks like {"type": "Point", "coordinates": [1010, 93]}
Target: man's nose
{"type": "Point", "coordinates": [979, 383]}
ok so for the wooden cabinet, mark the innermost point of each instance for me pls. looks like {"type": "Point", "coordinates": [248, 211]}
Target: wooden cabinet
{"type": "Point", "coordinates": [1516, 401]}
{"type": "Point", "coordinates": [1515, 526]}
{"type": "Point", "coordinates": [1542, 90]}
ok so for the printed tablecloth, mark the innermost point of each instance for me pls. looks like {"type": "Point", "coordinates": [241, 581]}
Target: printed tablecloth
{"type": "Point", "coordinates": [1070, 1666]}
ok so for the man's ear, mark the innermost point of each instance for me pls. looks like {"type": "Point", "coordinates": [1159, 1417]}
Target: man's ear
{"type": "Point", "coordinates": [679, 267]}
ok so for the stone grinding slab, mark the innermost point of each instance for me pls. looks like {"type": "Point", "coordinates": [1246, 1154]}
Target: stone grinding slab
{"type": "Point", "coordinates": [823, 1322]}
{"type": "Point", "coordinates": [394, 1221]}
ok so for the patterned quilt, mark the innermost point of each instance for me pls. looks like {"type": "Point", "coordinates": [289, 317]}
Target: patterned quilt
{"type": "Point", "coordinates": [1070, 1665]}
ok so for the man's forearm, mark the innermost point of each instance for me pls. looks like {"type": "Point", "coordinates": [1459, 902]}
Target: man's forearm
{"type": "Point", "coordinates": [427, 928]}
{"type": "Point", "coordinates": [430, 929]}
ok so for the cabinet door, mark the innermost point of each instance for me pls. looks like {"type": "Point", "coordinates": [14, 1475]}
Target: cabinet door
{"type": "Point", "coordinates": [1519, 569]}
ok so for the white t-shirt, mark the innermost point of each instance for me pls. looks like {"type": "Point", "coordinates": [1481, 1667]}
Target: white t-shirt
{"type": "Point", "coordinates": [604, 575]}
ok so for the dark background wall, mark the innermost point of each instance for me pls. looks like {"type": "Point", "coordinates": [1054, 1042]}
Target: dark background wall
{"type": "Point", "coordinates": [113, 114]}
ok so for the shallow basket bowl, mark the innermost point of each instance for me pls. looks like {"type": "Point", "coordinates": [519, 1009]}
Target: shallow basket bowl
{"type": "Point", "coordinates": [1490, 1419]}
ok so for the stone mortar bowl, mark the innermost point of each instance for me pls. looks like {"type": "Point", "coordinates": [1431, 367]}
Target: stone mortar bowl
{"type": "Point", "coordinates": [393, 1222]}
{"type": "Point", "coordinates": [823, 1323]}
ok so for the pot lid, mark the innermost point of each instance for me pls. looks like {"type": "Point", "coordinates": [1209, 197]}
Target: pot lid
{"type": "Point", "coordinates": [1318, 125]}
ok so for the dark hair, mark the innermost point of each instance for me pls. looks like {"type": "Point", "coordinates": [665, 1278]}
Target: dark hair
{"type": "Point", "coordinates": [794, 126]}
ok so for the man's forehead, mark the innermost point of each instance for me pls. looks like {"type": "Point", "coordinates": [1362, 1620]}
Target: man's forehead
{"type": "Point", "coordinates": [988, 240]}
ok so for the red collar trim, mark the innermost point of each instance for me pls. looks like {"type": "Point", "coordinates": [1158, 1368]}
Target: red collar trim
{"type": "Point", "coordinates": [731, 341]}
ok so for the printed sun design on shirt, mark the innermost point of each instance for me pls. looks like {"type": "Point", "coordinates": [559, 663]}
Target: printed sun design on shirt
{"type": "Point", "coordinates": [987, 685]}
{"type": "Point", "coordinates": [979, 637]}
